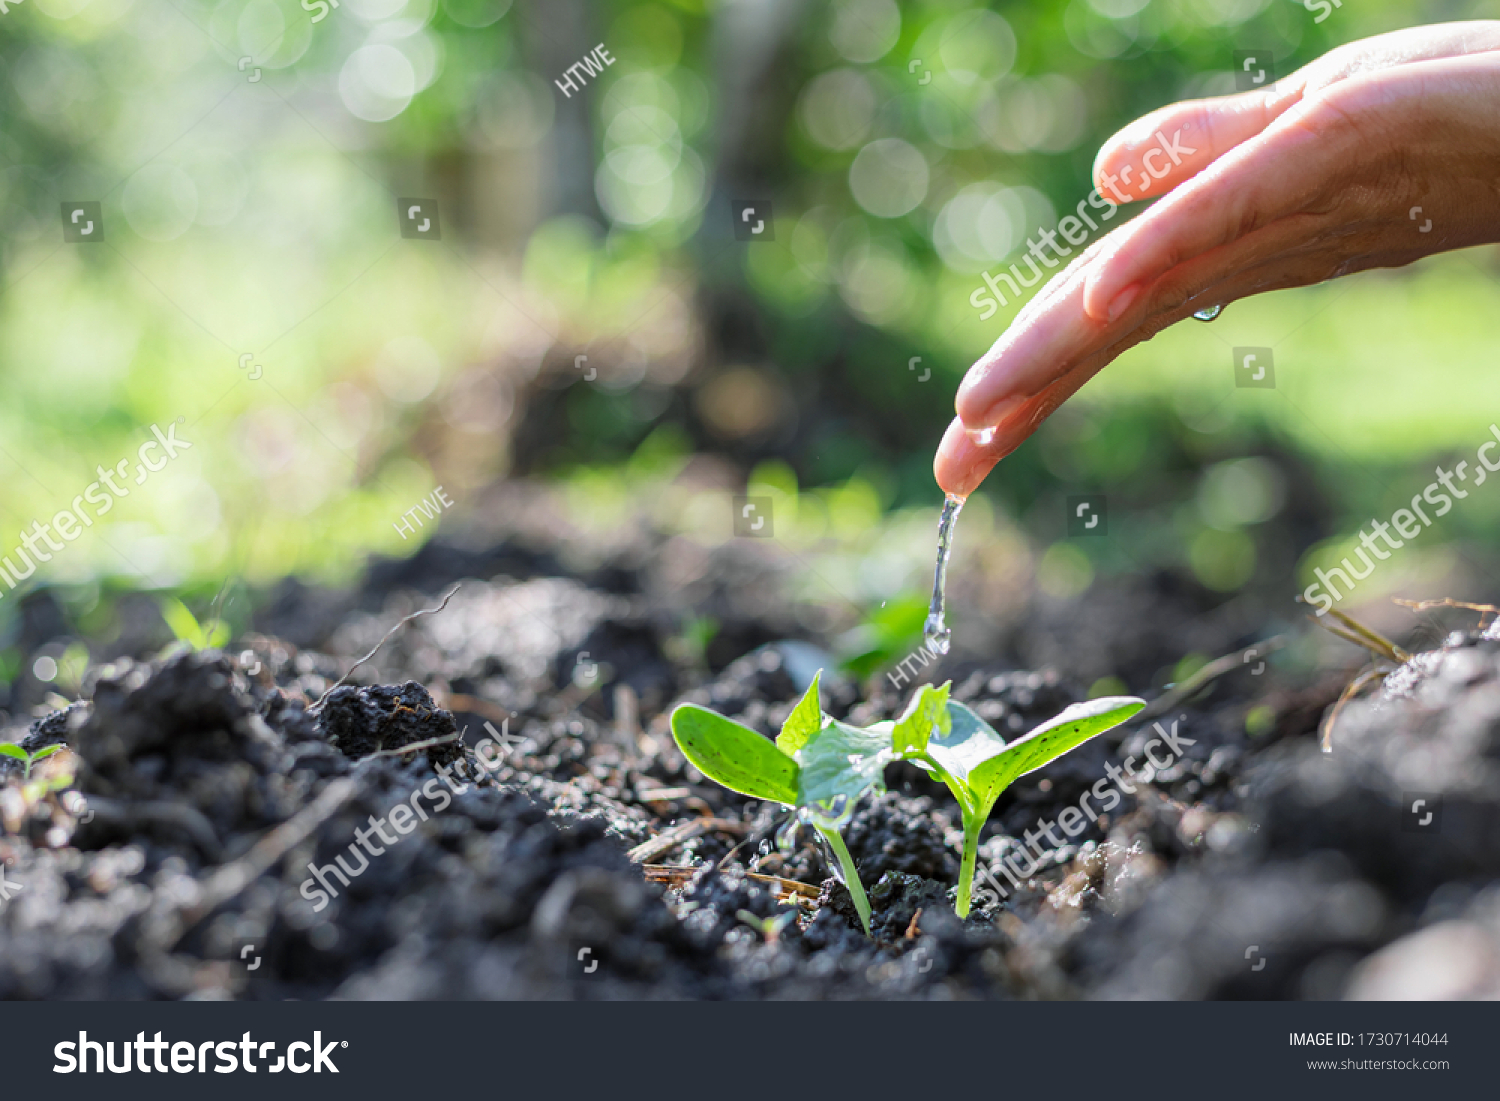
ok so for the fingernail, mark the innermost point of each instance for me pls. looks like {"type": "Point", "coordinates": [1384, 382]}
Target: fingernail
{"type": "Point", "coordinates": [1122, 302]}
{"type": "Point", "coordinates": [993, 416]}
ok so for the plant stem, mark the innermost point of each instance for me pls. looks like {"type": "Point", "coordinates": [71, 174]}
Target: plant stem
{"type": "Point", "coordinates": [972, 826]}
{"type": "Point", "coordinates": [851, 875]}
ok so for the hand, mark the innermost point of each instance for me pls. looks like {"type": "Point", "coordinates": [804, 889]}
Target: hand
{"type": "Point", "coordinates": [1311, 180]}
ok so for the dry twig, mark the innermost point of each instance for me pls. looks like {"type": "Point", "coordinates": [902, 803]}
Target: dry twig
{"type": "Point", "coordinates": [1214, 669]}
{"type": "Point", "coordinates": [233, 878]}
{"type": "Point", "coordinates": [1448, 602]}
{"type": "Point", "coordinates": [446, 739]}
{"type": "Point", "coordinates": [669, 839]}
{"type": "Point", "coordinates": [388, 636]}
{"type": "Point", "coordinates": [788, 886]}
{"type": "Point", "coordinates": [1354, 687]}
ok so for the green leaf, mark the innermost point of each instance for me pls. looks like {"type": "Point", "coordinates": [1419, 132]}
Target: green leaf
{"type": "Point", "coordinates": [841, 760]}
{"type": "Point", "coordinates": [48, 751]}
{"type": "Point", "coordinates": [10, 749]}
{"type": "Point", "coordinates": [926, 715]}
{"type": "Point", "coordinates": [183, 623]}
{"type": "Point", "coordinates": [805, 720]}
{"type": "Point", "coordinates": [734, 755]}
{"type": "Point", "coordinates": [1074, 726]}
{"type": "Point", "coordinates": [969, 742]}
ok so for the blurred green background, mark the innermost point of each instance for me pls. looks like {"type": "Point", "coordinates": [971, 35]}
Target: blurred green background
{"type": "Point", "coordinates": [904, 148]}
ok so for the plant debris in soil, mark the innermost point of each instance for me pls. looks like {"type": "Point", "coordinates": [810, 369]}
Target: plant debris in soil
{"type": "Point", "coordinates": [591, 861]}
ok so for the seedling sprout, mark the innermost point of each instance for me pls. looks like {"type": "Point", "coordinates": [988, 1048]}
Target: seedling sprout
{"type": "Point", "coordinates": [10, 749]}
{"type": "Point", "coordinates": [821, 767]}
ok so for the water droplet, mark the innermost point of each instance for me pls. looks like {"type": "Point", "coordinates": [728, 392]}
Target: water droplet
{"type": "Point", "coordinates": [765, 847]}
{"type": "Point", "coordinates": [936, 631]}
{"type": "Point", "coordinates": [1209, 314]}
{"type": "Point", "coordinates": [833, 813]}
{"type": "Point", "coordinates": [786, 835]}
{"type": "Point", "coordinates": [831, 860]}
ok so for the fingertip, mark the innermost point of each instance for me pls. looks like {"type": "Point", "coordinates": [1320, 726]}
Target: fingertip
{"type": "Point", "coordinates": [1098, 296]}
{"type": "Point", "coordinates": [976, 393]}
{"type": "Point", "coordinates": [960, 464]}
{"type": "Point", "coordinates": [1121, 302]}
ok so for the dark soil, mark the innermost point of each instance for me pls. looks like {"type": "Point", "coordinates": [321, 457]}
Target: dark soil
{"type": "Point", "coordinates": [1252, 867]}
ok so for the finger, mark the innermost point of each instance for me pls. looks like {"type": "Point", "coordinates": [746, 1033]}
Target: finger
{"type": "Point", "coordinates": [1191, 135]}
{"type": "Point", "coordinates": [1276, 174]}
{"type": "Point", "coordinates": [963, 462]}
{"type": "Point", "coordinates": [1027, 360]}
{"type": "Point", "coordinates": [1160, 150]}
{"type": "Point", "coordinates": [1308, 145]}
{"type": "Point", "coordinates": [1029, 354]}
{"type": "Point", "coordinates": [1277, 272]}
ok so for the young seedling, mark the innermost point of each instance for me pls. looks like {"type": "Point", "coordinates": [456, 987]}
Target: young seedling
{"type": "Point", "coordinates": [10, 749]}
{"type": "Point", "coordinates": [817, 765]}
{"type": "Point", "coordinates": [186, 628]}
{"type": "Point", "coordinates": [769, 928]}
{"type": "Point", "coordinates": [822, 766]}
{"type": "Point", "coordinates": [963, 751]}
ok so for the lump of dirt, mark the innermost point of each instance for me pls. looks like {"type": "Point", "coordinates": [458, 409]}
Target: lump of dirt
{"type": "Point", "coordinates": [362, 721]}
{"type": "Point", "coordinates": [149, 725]}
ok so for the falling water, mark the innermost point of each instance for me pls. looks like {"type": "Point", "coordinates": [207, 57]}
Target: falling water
{"type": "Point", "coordinates": [937, 633]}
{"type": "Point", "coordinates": [760, 854]}
{"type": "Point", "coordinates": [1209, 314]}
{"type": "Point", "coordinates": [786, 835]}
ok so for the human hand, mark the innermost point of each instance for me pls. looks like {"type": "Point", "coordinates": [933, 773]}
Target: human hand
{"type": "Point", "coordinates": [1313, 179]}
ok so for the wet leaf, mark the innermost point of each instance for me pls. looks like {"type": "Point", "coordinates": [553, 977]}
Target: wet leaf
{"type": "Point", "coordinates": [805, 720]}
{"type": "Point", "coordinates": [841, 760]}
{"type": "Point", "coordinates": [734, 755]}
{"type": "Point", "coordinates": [926, 716]}
{"type": "Point", "coordinates": [969, 742]}
{"type": "Point", "coordinates": [1074, 726]}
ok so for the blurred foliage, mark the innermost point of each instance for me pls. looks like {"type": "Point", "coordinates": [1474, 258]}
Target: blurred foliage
{"type": "Point", "coordinates": [589, 318]}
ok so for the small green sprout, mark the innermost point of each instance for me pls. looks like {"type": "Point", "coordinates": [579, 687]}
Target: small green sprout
{"type": "Point", "coordinates": [10, 749]}
{"type": "Point", "coordinates": [822, 767]}
{"type": "Point", "coordinates": [963, 751]}
{"type": "Point", "coordinates": [769, 928]}
{"type": "Point", "coordinates": [185, 626]}
{"type": "Point", "coordinates": [817, 765]}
